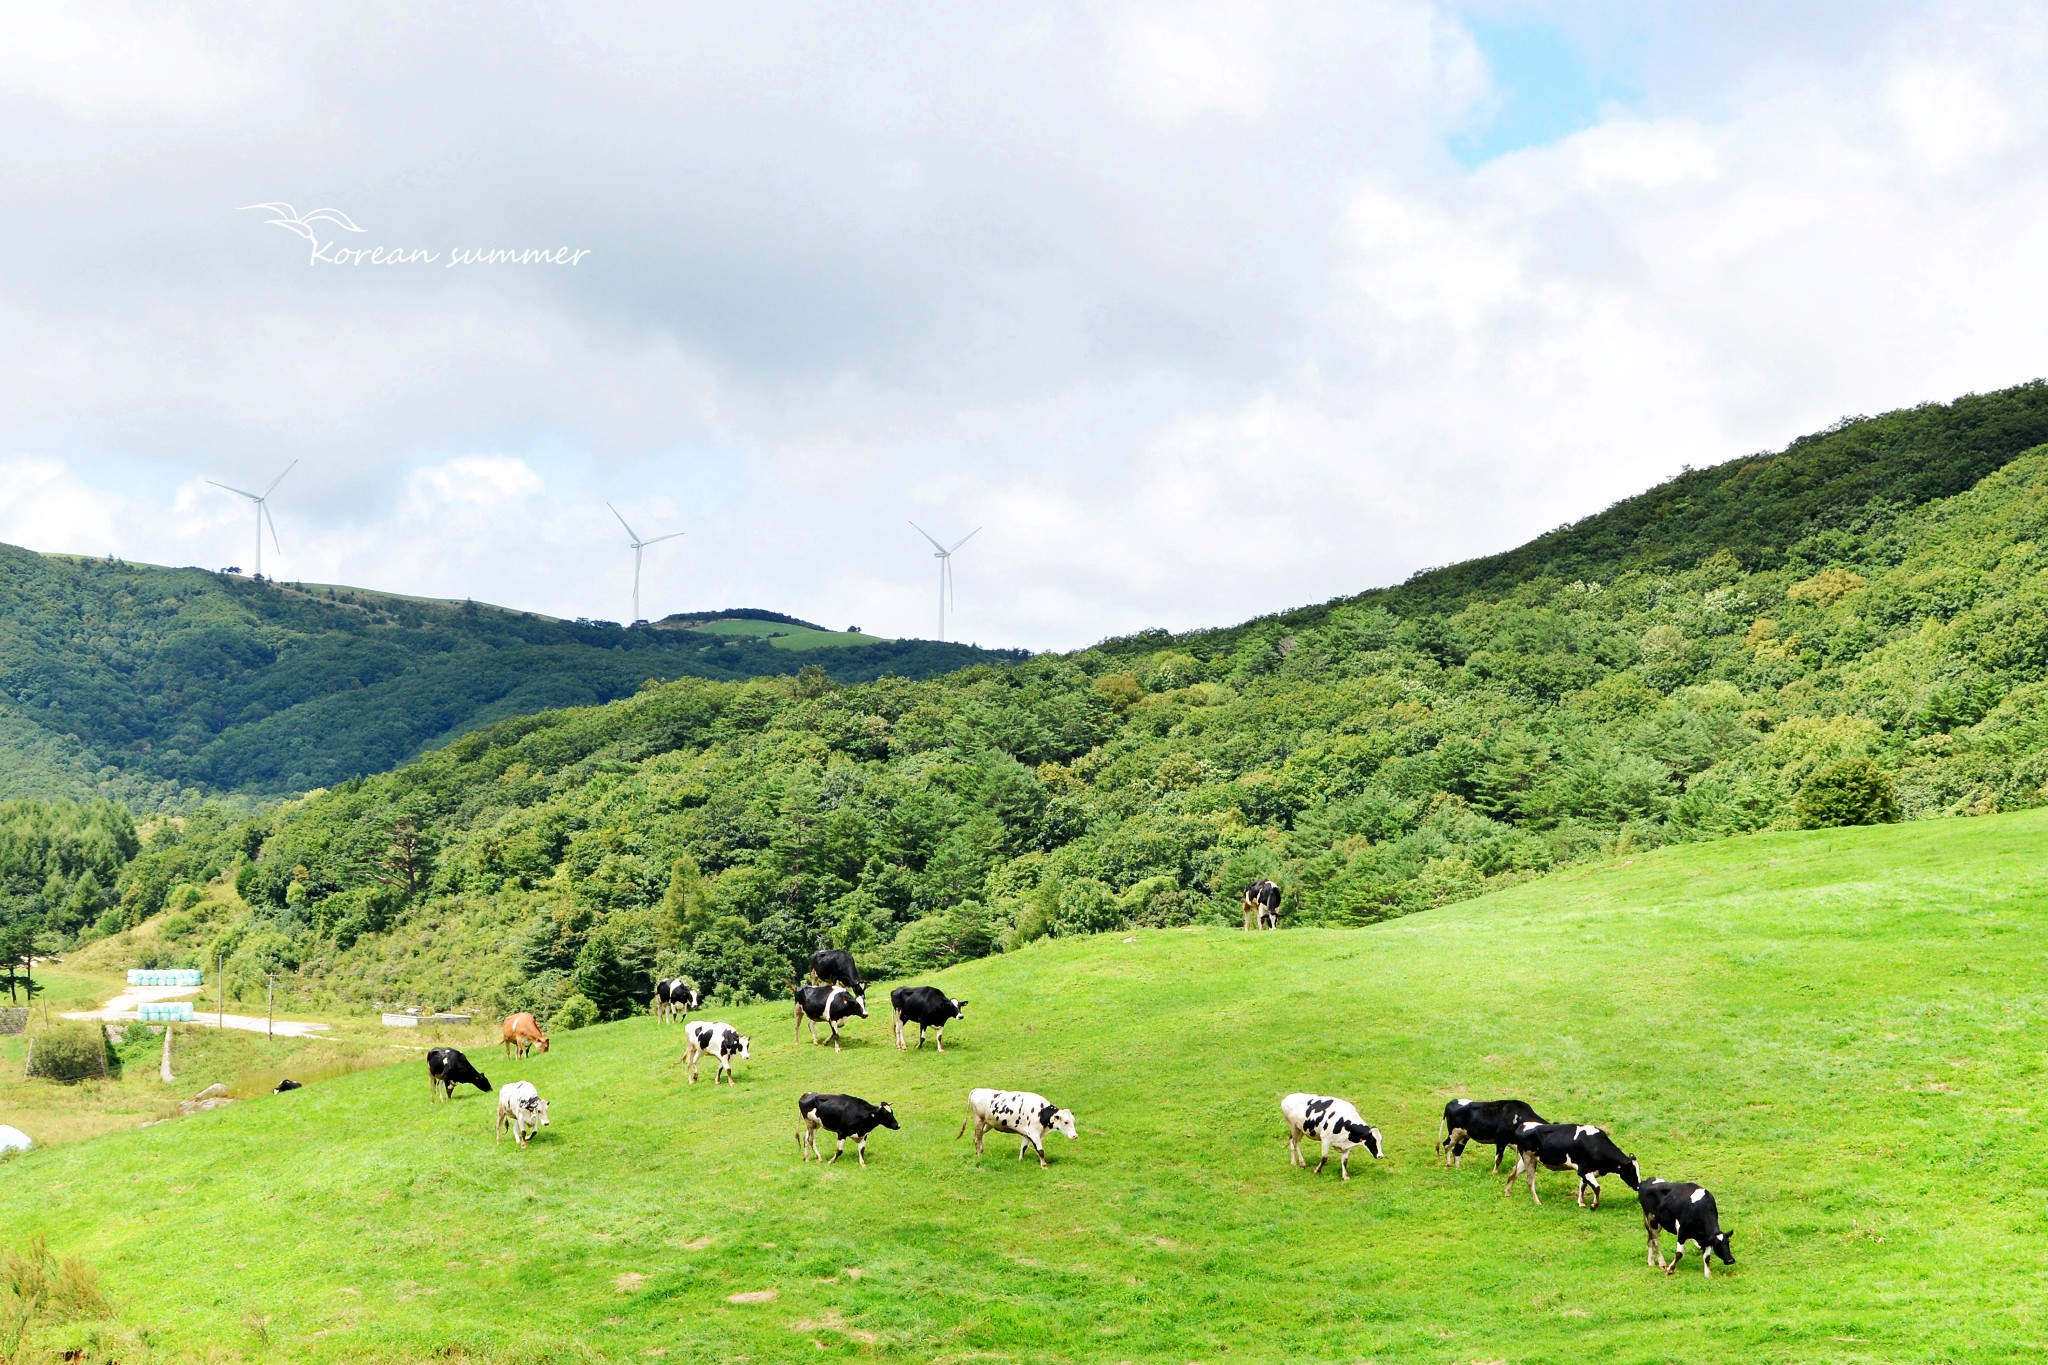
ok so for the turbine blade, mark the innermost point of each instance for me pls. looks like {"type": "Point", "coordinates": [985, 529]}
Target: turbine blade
{"type": "Point", "coordinates": [670, 536]}
{"type": "Point", "coordinates": [629, 530]}
{"type": "Point", "coordinates": [263, 510]}
{"type": "Point", "coordinates": [232, 489]}
{"type": "Point", "coordinates": [280, 478]}
{"type": "Point", "coordinates": [928, 536]}
{"type": "Point", "coordinates": [964, 539]}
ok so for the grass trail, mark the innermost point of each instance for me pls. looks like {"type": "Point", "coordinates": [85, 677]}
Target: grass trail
{"type": "Point", "coordinates": [1839, 1033]}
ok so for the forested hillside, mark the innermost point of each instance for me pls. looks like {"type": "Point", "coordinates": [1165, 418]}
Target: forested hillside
{"type": "Point", "coordinates": [156, 686]}
{"type": "Point", "coordinates": [1386, 758]}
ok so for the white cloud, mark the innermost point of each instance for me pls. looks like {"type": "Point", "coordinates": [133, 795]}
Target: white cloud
{"type": "Point", "coordinates": [1188, 305]}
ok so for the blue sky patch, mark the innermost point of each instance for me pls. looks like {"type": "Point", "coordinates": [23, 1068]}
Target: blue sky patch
{"type": "Point", "coordinates": [1543, 89]}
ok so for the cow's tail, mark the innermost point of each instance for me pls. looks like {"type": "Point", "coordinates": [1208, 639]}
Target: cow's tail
{"type": "Point", "coordinates": [963, 1126]}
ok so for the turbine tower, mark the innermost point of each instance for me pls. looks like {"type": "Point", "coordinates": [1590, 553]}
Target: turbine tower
{"type": "Point", "coordinates": [639, 545]}
{"type": "Point", "coordinates": [262, 512]}
{"type": "Point", "coordinates": [945, 558]}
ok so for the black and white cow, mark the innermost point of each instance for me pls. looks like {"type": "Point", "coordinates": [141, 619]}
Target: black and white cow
{"type": "Point", "coordinates": [722, 1041]}
{"type": "Point", "coordinates": [1571, 1147]}
{"type": "Point", "coordinates": [448, 1068]}
{"type": "Point", "coordinates": [1332, 1121]}
{"type": "Point", "coordinates": [286, 1084]}
{"type": "Point", "coordinates": [926, 1007]}
{"type": "Point", "coordinates": [843, 1116]}
{"type": "Point", "coordinates": [1262, 905]}
{"type": "Point", "coordinates": [1687, 1212]}
{"type": "Point", "coordinates": [1483, 1122]}
{"type": "Point", "coordinates": [674, 998]}
{"type": "Point", "coordinates": [1028, 1115]}
{"type": "Point", "coordinates": [831, 967]}
{"type": "Point", "coordinates": [826, 1005]}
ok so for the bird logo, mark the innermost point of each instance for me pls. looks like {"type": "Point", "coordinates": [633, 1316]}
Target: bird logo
{"type": "Point", "coordinates": [291, 220]}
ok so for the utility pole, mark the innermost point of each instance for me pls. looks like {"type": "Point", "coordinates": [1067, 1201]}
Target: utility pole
{"type": "Point", "coordinates": [270, 1007]}
{"type": "Point", "coordinates": [221, 980]}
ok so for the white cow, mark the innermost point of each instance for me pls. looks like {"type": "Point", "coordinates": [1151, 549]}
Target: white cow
{"type": "Point", "coordinates": [1027, 1115]}
{"type": "Point", "coordinates": [1333, 1121]}
{"type": "Point", "coordinates": [521, 1107]}
{"type": "Point", "coordinates": [722, 1041]}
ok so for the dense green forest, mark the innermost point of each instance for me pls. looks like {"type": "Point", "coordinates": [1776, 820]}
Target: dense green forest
{"type": "Point", "coordinates": [1859, 657]}
{"type": "Point", "coordinates": [159, 686]}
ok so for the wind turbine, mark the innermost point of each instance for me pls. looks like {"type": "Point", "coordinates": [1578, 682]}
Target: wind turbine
{"type": "Point", "coordinates": [639, 545]}
{"type": "Point", "coordinates": [945, 558]}
{"type": "Point", "coordinates": [262, 512]}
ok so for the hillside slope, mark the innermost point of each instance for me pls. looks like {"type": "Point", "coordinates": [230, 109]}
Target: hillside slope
{"type": "Point", "coordinates": [1830, 496]}
{"type": "Point", "coordinates": [1835, 1031]}
{"type": "Point", "coordinates": [151, 684]}
{"type": "Point", "coordinates": [1372, 765]}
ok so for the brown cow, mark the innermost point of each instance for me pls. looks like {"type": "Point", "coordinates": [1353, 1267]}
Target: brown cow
{"type": "Point", "coordinates": [522, 1032]}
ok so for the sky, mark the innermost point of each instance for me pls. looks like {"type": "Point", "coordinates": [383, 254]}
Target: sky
{"type": "Point", "coordinates": [1198, 310]}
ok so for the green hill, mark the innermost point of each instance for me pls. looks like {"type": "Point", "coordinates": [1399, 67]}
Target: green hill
{"type": "Point", "coordinates": [157, 685]}
{"type": "Point", "coordinates": [1834, 1031]}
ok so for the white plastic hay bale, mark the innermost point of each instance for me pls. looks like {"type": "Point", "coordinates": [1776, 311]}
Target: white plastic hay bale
{"type": "Point", "coordinates": [13, 1140]}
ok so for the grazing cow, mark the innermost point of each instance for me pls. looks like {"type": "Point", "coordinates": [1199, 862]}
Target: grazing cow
{"type": "Point", "coordinates": [1262, 905]}
{"type": "Point", "coordinates": [1571, 1147]}
{"type": "Point", "coordinates": [826, 1005]}
{"type": "Point", "coordinates": [1027, 1115]}
{"type": "Point", "coordinates": [830, 967]}
{"type": "Point", "coordinates": [926, 1007]}
{"type": "Point", "coordinates": [1334, 1123]}
{"type": "Point", "coordinates": [722, 1041]}
{"type": "Point", "coordinates": [1687, 1212]}
{"type": "Point", "coordinates": [674, 998]}
{"type": "Point", "coordinates": [522, 1032]}
{"type": "Point", "coordinates": [843, 1116]}
{"type": "Point", "coordinates": [286, 1084]}
{"type": "Point", "coordinates": [522, 1109]}
{"type": "Point", "coordinates": [1483, 1121]}
{"type": "Point", "coordinates": [446, 1069]}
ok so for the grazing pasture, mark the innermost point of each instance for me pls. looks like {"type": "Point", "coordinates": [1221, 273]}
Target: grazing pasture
{"type": "Point", "coordinates": [1839, 1033]}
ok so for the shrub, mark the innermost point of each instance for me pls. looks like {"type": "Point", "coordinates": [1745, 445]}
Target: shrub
{"type": "Point", "coordinates": [576, 1012]}
{"type": "Point", "coordinates": [1851, 791]}
{"type": "Point", "coordinates": [69, 1052]}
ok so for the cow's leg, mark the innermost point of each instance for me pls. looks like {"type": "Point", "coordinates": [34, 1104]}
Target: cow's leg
{"type": "Point", "coordinates": [1344, 1163]}
{"type": "Point", "coordinates": [941, 1037]}
{"type": "Point", "coordinates": [1040, 1144]}
{"type": "Point", "coordinates": [860, 1149]}
{"type": "Point", "coordinates": [833, 1025]}
{"type": "Point", "coordinates": [1326, 1154]}
{"type": "Point", "coordinates": [1533, 1163]}
{"type": "Point", "coordinates": [690, 1064]}
{"type": "Point", "coordinates": [838, 1149]}
{"type": "Point", "coordinates": [899, 1031]}
{"type": "Point", "coordinates": [1677, 1255]}
{"type": "Point", "coordinates": [1654, 1256]}
{"type": "Point", "coordinates": [1706, 1261]}
{"type": "Point", "coordinates": [1500, 1151]}
{"type": "Point", "coordinates": [1513, 1175]}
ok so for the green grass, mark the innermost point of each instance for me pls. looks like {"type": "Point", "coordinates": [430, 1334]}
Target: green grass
{"type": "Point", "coordinates": [1838, 1032]}
{"type": "Point", "coordinates": [783, 635]}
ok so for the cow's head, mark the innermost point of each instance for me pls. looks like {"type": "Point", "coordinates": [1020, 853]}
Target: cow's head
{"type": "Point", "coordinates": [743, 1047]}
{"type": "Point", "coordinates": [888, 1116]}
{"type": "Point", "coordinates": [1364, 1135]}
{"type": "Point", "coordinates": [959, 1008]}
{"type": "Point", "coordinates": [483, 1082]}
{"type": "Point", "coordinates": [1631, 1172]}
{"type": "Point", "coordinates": [536, 1110]}
{"type": "Point", "coordinates": [857, 1006]}
{"type": "Point", "coordinates": [543, 1042]}
{"type": "Point", "coordinates": [1063, 1123]}
{"type": "Point", "coordinates": [696, 1000]}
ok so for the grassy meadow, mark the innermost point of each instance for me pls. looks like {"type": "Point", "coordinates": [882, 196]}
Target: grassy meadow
{"type": "Point", "coordinates": [785, 635]}
{"type": "Point", "coordinates": [1838, 1032]}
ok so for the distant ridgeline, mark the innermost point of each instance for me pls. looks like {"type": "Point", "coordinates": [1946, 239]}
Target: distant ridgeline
{"type": "Point", "coordinates": [1853, 629]}
{"type": "Point", "coordinates": [156, 685]}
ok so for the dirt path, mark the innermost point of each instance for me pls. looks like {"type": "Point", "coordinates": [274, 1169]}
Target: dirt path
{"type": "Point", "coordinates": [122, 1009]}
